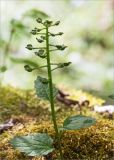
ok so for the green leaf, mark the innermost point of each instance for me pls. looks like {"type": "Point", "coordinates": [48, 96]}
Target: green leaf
{"type": "Point", "coordinates": [42, 88]}
{"type": "Point", "coordinates": [23, 61]}
{"type": "Point", "coordinates": [33, 145]}
{"type": "Point", "coordinates": [35, 13]}
{"type": "Point", "coordinates": [18, 26]}
{"type": "Point", "coordinates": [78, 122]}
{"type": "Point", "coordinates": [3, 69]}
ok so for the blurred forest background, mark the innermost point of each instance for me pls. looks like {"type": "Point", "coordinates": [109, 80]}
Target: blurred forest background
{"type": "Point", "coordinates": [88, 27]}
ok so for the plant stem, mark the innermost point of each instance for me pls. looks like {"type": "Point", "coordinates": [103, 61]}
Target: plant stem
{"type": "Point", "coordinates": [51, 94]}
{"type": "Point", "coordinates": [7, 48]}
{"type": "Point", "coordinates": [6, 52]}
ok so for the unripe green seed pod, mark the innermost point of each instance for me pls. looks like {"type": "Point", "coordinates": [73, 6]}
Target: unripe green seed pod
{"type": "Point", "coordinates": [61, 47]}
{"type": "Point", "coordinates": [29, 47]}
{"type": "Point", "coordinates": [57, 23]}
{"type": "Point", "coordinates": [39, 40]}
{"type": "Point", "coordinates": [38, 30]}
{"type": "Point", "coordinates": [34, 32]}
{"type": "Point", "coordinates": [28, 68]}
{"type": "Point", "coordinates": [47, 23]}
{"type": "Point", "coordinates": [40, 53]}
{"type": "Point", "coordinates": [39, 20]}
{"type": "Point", "coordinates": [67, 64]}
{"type": "Point", "coordinates": [61, 65]}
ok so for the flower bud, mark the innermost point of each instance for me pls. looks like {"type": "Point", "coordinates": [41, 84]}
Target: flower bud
{"type": "Point", "coordinates": [38, 30]}
{"type": "Point", "coordinates": [61, 65]}
{"type": "Point", "coordinates": [57, 23]}
{"type": "Point", "coordinates": [39, 40]}
{"type": "Point", "coordinates": [39, 20]}
{"type": "Point", "coordinates": [47, 23]}
{"type": "Point", "coordinates": [67, 64]}
{"type": "Point", "coordinates": [40, 53]}
{"type": "Point", "coordinates": [28, 68]}
{"type": "Point", "coordinates": [34, 32]}
{"type": "Point", "coordinates": [61, 47]}
{"type": "Point", "coordinates": [29, 47]}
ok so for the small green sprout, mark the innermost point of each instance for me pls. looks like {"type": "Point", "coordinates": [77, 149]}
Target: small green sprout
{"type": "Point", "coordinates": [42, 144]}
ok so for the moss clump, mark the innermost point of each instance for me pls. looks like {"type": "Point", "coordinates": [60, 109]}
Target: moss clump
{"type": "Point", "coordinates": [94, 143]}
{"type": "Point", "coordinates": [91, 143]}
{"type": "Point", "coordinates": [16, 102]}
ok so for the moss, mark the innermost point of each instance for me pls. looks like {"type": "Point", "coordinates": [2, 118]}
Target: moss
{"type": "Point", "coordinates": [91, 143]}
{"type": "Point", "coordinates": [94, 143]}
{"type": "Point", "coordinates": [15, 102]}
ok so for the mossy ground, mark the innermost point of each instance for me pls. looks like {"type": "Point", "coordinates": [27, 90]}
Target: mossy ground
{"type": "Point", "coordinates": [33, 115]}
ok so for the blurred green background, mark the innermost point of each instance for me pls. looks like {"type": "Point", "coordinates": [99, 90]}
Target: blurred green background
{"type": "Point", "coordinates": [88, 27]}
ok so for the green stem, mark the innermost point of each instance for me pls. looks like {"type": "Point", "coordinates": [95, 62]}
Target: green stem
{"type": "Point", "coordinates": [51, 94]}
{"type": "Point", "coordinates": [6, 52]}
{"type": "Point", "coordinates": [39, 48]}
{"type": "Point", "coordinates": [53, 50]}
{"type": "Point", "coordinates": [7, 48]}
{"type": "Point", "coordinates": [55, 68]}
{"type": "Point", "coordinates": [39, 67]}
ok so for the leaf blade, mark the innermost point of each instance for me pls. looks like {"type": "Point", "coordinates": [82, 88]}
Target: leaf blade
{"type": "Point", "coordinates": [33, 145]}
{"type": "Point", "coordinates": [42, 88]}
{"type": "Point", "coordinates": [78, 122]}
{"type": "Point", "coordinates": [34, 13]}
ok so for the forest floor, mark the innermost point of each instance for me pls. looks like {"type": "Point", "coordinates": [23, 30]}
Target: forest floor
{"type": "Point", "coordinates": [22, 113]}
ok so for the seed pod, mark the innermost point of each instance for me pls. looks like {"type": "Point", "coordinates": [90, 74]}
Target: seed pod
{"type": "Point", "coordinates": [40, 53]}
{"type": "Point", "coordinates": [29, 46]}
{"type": "Point", "coordinates": [34, 32]}
{"type": "Point", "coordinates": [61, 65]}
{"type": "Point", "coordinates": [47, 23]}
{"type": "Point", "coordinates": [67, 64]}
{"type": "Point", "coordinates": [28, 68]}
{"type": "Point", "coordinates": [61, 47]}
{"type": "Point", "coordinates": [39, 20]}
{"type": "Point", "coordinates": [38, 30]}
{"type": "Point", "coordinates": [57, 23]}
{"type": "Point", "coordinates": [39, 40]}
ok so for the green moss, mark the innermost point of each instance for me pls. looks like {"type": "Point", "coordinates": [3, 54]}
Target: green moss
{"type": "Point", "coordinates": [91, 143]}
{"type": "Point", "coordinates": [16, 102]}
{"type": "Point", "coordinates": [34, 116]}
